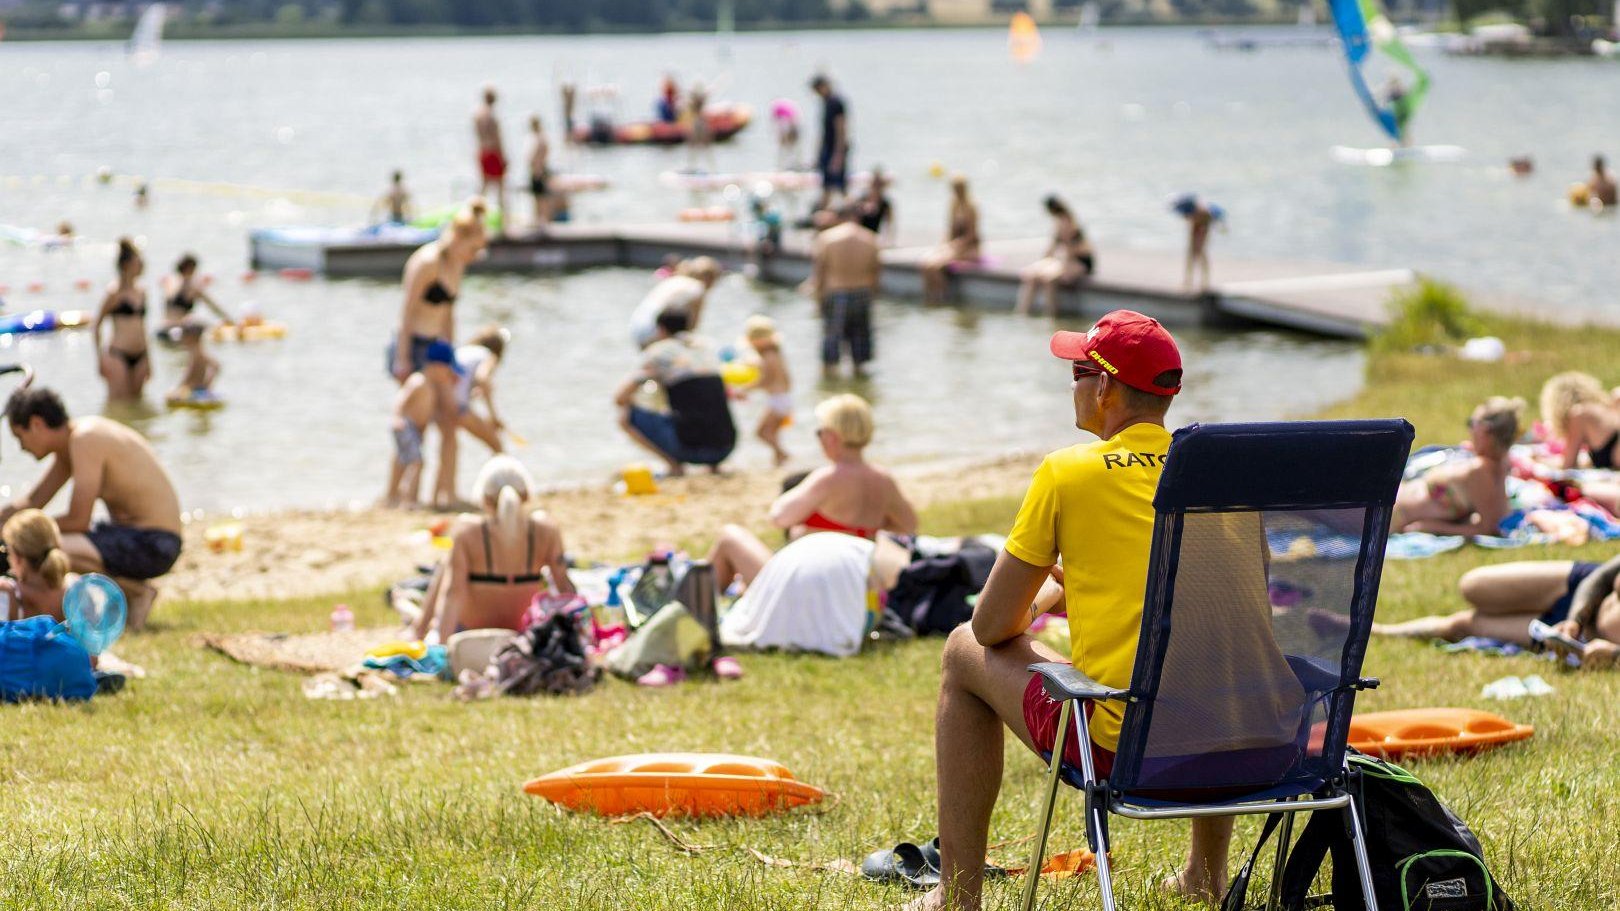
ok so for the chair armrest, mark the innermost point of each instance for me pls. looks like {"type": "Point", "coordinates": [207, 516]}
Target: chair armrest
{"type": "Point", "coordinates": [1064, 682]}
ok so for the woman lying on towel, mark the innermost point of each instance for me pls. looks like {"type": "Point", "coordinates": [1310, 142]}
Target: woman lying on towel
{"type": "Point", "coordinates": [1467, 496]}
{"type": "Point", "coordinates": [1578, 600]}
{"type": "Point", "coordinates": [498, 560]}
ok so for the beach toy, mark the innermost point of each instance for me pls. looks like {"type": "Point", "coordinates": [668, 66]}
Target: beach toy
{"type": "Point", "coordinates": [1579, 194]}
{"type": "Point", "coordinates": [221, 538]}
{"type": "Point", "coordinates": [415, 651]}
{"type": "Point", "coordinates": [247, 332]}
{"type": "Point", "coordinates": [688, 784]}
{"type": "Point", "coordinates": [638, 480]}
{"type": "Point", "coordinates": [94, 608]}
{"type": "Point", "coordinates": [197, 400]}
{"type": "Point", "coordinates": [783, 109]}
{"type": "Point", "coordinates": [42, 321]}
{"type": "Point", "coordinates": [1425, 732]}
{"type": "Point", "coordinates": [739, 373]}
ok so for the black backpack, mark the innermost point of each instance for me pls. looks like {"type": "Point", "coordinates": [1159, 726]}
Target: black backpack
{"type": "Point", "coordinates": [1422, 857]}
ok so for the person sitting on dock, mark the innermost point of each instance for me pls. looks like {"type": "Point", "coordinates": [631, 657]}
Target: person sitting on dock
{"type": "Point", "coordinates": [1067, 260]}
{"type": "Point", "coordinates": [394, 204]}
{"type": "Point", "coordinates": [687, 289]}
{"type": "Point", "coordinates": [109, 462]}
{"type": "Point", "coordinates": [698, 428]}
{"type": "Point", "coordinates": [961, 245]}
{"type": "Point", "coordinates": [876, 210]}
{"type": "Point", "coordinates": [844, 272]}
{"type": "Point", "coordinates": [1600, 187]}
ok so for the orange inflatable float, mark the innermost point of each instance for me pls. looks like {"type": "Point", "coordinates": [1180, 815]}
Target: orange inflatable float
{"type": "Point", "coordinates": [1425, 732]}
{"type": "Point", "coordinates": [688, 784]}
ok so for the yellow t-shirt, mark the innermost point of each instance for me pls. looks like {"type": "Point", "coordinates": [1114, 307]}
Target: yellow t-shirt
{"type": "Point", "coordinates": [1092, 504]}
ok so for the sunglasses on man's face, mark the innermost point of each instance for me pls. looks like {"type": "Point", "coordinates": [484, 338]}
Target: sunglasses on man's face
{"type": "Point", "coordinates": [1082, 370]}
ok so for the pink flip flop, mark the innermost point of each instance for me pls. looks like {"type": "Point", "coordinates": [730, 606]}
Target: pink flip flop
{"type": "Point", "coordinates": [662, 675]}
{"type": "Point", "coordinates": [727, 668]}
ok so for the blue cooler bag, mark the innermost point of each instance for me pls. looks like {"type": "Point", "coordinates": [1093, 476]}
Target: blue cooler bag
{"type": "Point", "coordinates": [40, 659]}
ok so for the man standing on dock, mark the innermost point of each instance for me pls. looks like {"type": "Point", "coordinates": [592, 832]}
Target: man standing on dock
{"type": "Point", "coordinates": [844, 275]}
{"type": "Point", "coordinates": [833, 159]}
{"type": "Point", "coordinates": [491, 158]}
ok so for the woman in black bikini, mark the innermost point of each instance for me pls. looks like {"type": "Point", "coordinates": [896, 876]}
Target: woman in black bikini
{"type": "Point", "coordinates": [124, 362]}
{"type": "Point", "coordinates": [1067, 260]}
{"type": "Point", "coordinates": [432, 281]}
{"type": "Point", "coordinates": [433, 277]}
{"type": "Point", "coordinates": [182, 294]}
{"type": "Point", "coordinates": [498, 560]}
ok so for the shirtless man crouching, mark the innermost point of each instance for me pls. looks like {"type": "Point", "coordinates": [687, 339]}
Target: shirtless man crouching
{"type": "Point", "coordinates": [106, 461]}
{"type": "Point", "coordinates": [843, 278]}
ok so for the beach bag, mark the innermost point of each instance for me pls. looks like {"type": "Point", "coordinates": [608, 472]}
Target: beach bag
{"type": "Point", "coordinates": [40, 659]}
{"type": "Point", "coordinates": [1422, 857]}
{"type": "Point", "coordinates": [932, 594]}
{"type": "Point", "coordinates": [672, 636]}
{"type": "Point", "coordinates": [549, 657]}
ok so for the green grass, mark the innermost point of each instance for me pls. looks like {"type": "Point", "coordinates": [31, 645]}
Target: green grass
{"type": "Point", "coordinates": [212, 785]}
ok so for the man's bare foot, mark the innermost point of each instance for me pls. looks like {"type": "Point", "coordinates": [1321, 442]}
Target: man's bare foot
{"type": "Point", "coordinates": [1189, 885]}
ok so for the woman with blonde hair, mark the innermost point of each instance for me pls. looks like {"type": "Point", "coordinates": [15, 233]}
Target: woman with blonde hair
{"type": "Point", "coordinates": [124, 363]}
{"type": "Point", "coordinates": [961, 242]}
{"type": "Point", "coordinates": [1580, 412]}
{"type": "Point", "coordinates": [1465, 496]}
{"type": "Point", "coordinates": [847, 495]}
{"type": "Point", "coordinates": [498, 561]}
{"type": "Point", "coordinates": [433, 278]}
{"type": "Point", "coordinates": [39, 567]}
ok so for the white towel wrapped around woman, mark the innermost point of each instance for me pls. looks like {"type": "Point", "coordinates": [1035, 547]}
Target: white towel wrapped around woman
{"type": "Point", "coordinates": [811, 596]}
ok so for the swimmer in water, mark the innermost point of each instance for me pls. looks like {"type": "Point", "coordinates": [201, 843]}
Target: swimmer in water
{"type": "Point", "coordinates": [182, 293]}
{"type": "Point", "coordinates": [1600, 187]}
{"type": "Point", "coordinates": [124, 363]}
{"type": "Point", "coordinates": [201, 369]}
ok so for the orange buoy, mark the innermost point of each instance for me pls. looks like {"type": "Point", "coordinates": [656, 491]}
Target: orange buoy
{"type": "Point", "coordinates": [688, 784]}
{"type": "Point", "coordinates": [82, 284]}
{"type": "Point", "coordinates": [36, 287]}
{"type": "Point", "coordinates": [249, 276]}
{"type": "Point", "coordinates": [296, 274]}
{"type": "Point", "coordinates": [1422, 732]}
{"type": "Point", "coordinates": [206, 280]}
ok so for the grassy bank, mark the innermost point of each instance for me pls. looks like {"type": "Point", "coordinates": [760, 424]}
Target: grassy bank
{"type": "Point", "coordinates": [212, 785]}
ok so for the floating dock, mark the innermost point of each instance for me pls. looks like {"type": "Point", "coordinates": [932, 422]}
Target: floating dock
{"type": "Point", "coordinates": [1318, 298]}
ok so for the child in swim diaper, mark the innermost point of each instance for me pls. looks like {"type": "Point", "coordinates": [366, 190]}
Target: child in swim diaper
{"type": "Point", "coordinates": [760, 331]}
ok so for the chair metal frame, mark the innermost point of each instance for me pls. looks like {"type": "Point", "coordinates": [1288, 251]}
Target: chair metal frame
{"type": "Point", "coordinates": [1383, 443]}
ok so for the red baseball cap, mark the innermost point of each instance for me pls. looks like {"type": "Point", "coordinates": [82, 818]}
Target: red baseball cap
{"type": "Point", "coordinates": [1132, 348]}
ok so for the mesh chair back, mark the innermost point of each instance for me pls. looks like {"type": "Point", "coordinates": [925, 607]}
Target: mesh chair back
{"type": "Point", "coordinates": [1268, 545]}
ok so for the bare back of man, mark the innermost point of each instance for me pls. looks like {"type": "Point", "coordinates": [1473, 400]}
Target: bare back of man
{"type": "Point", "coordinates": [847, 259]}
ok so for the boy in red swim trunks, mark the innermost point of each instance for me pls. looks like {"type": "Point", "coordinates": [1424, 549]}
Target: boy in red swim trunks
{"type": "Point", "coordinates": [491, 159]}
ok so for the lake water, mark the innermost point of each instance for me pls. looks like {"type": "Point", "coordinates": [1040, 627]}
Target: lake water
{"type": "Point", "coordinates": [1115, 126]}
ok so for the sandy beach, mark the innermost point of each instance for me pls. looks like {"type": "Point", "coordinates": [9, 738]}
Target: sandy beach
{"type": "Point", "coordinates": [303, 553]}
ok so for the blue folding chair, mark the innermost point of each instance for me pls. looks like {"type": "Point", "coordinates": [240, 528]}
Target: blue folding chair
{"type": "Point", "coordinates": [1268, 544]}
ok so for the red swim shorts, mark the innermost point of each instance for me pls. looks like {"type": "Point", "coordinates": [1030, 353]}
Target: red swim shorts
{"type": "Point", "coordinates": [1041, 717]}
{"type": "Point", "coordinates": [492, 163]}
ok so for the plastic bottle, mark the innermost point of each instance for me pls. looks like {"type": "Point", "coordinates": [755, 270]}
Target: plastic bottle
{"type": "Point", "coordinates": [342, 619]}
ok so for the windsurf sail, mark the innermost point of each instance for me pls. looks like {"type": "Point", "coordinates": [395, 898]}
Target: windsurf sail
{"type": "Point", "coordinates": [1363, 28]}
{"type": "Point", "coordinates": [1023, 37]}
{"type": "Point", "coordinates": [148, 35]}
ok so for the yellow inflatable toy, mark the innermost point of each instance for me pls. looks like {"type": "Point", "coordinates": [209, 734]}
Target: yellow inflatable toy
{"type": "Point", "coordinates": [247, 332]}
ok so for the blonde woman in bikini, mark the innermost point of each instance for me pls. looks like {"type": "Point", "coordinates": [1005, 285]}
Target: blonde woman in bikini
{"type": "Point", "coordinates": [1467, 496]}
{"type": "Point", "coordinates": [961, 242]}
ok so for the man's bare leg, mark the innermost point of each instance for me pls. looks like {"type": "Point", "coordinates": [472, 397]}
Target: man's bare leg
{"type": "Point", "coordinates": [1205, 874]}
{"type": "Point", "coordinates": [981, 694]}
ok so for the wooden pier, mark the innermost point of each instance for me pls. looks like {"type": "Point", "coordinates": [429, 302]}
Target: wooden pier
{"type": "Point", "coordinates": [1318, 298]}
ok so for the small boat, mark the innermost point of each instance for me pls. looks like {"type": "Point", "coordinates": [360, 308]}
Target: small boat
{"type": "Point", "coordinates": [725, 121]}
